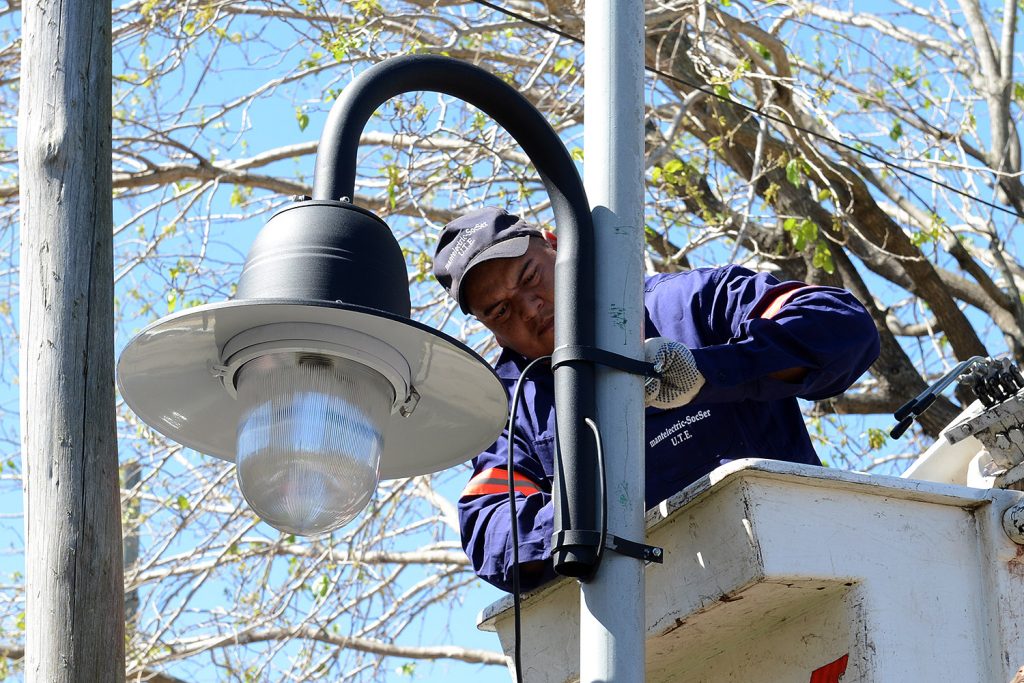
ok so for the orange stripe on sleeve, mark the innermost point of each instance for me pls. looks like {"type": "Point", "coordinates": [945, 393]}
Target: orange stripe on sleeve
{"type": "Point", "coordinates": [495, 480]}
{"type": "Point", "coordinates": [776, 302]}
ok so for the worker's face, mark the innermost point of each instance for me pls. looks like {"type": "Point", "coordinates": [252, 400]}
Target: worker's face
{"type": "Point", "coordinates": [515, 298]}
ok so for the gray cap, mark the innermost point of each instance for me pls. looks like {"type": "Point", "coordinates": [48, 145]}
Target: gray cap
{"type": "Point", "coordinates": [473, 238]}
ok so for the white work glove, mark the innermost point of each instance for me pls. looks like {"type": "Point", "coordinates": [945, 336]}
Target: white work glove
{"type": "Point", "coordinates": [678, 379]}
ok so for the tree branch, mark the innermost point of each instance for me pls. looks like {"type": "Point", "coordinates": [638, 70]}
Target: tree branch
{"type": "Point", "coordinates": [187, 648]}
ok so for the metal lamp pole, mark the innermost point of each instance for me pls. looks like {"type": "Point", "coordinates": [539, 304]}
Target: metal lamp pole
{"type": "Point", "coordinates": [612, 625]}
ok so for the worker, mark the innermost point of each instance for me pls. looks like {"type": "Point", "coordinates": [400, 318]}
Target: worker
{"type": "Point", "coordinates": [751, 345]}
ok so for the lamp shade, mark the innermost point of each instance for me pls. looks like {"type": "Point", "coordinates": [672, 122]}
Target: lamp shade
{"type": "Point", "coordinates": [171, 374]}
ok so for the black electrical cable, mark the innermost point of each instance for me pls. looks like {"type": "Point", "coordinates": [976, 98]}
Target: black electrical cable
{"type": "Point", "coordinates": [516, 599]}
{"type": "Point", "coordinates": [603, 477]}
{"type": "Point", "coordinates": [771, 117]}
{"type": "Point", "coordinates": [513, 522]}
{"type": "Point", "coordinates": [533, 22]}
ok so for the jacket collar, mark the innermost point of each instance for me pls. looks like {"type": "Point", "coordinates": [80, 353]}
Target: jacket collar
{"type": "Point", "coordinates": [510, 365]}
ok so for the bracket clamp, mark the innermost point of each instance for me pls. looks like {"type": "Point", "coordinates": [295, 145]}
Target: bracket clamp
{"type": "Point", "coordinates": [570, 538]}
{"type": "Point", "coordinates": [638, 551]}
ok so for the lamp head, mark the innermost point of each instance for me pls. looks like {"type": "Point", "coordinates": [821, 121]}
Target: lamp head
{"type": "Point", "coordinates": [314, 380]}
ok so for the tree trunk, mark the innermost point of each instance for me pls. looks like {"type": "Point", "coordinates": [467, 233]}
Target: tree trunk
{"type": "Point", "coordinates": [74, 580]}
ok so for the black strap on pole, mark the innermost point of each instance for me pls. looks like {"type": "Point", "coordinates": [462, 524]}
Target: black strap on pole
{"type": "Point", "coordinates": [622, 546]}
{"type": "Point", "coordinates": [592, 354]}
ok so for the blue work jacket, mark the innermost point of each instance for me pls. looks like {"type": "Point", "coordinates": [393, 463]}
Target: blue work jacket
{"type": "Point", "coordinates": [741, 327]}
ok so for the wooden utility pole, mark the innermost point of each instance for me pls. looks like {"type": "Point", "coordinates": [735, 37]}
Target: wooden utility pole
{"type": "Point", "coordinates": [75, 585]}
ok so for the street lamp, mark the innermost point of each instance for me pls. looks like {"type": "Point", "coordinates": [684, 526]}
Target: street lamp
{"type": "Point", "coordinates": [313, 379]}
{"type": "Point", "coordinates": [314, 370]}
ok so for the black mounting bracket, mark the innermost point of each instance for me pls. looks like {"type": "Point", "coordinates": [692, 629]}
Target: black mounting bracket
{"type": "Point", "coordinates": [638, 551]}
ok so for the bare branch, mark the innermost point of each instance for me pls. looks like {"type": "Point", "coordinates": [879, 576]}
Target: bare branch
{"type": "Point", "coordinates": [186, 648]}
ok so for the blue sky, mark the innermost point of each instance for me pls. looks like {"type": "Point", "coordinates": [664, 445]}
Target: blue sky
{"type": "Point", "coordinates": [273, 120]}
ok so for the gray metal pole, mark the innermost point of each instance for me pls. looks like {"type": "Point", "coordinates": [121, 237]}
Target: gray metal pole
{"type": "Point", "coordinates": [612, 605]}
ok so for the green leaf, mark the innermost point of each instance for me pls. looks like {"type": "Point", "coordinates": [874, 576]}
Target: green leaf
{"type": "Point", "coordinates": [565, 66]}
{"type": "Point", "coordinates": [903, 76]}
{"type": "Point", "coordinates": [182, 503]}
{"type": "Point", "coordinates": [809, 230]}
{"type": "Point", "coordinates": [366, 6]}
{"type": "Point", "coordinates": [479, 121]}
{"type": "Point", "coordinates": [896, 132]}
{"type": "Point", "coordinates": [794, 172]}
{"type": "Point", "coordinates": [823, 258]}
{"type": "Point", "coordinates": [922, 237]}
{"type": "Point", "coordinates": [303, 119]}
{"type": "Point", "coordinates": [802, 232]}
{"type": "Point", "coordinates": [722, 91]}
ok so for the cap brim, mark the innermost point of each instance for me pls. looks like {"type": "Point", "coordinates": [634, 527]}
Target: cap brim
{"type": "Point", "coordinates": [510, 248]}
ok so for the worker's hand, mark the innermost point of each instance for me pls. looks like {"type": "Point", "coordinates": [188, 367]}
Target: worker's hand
{"type": "Point", "coordinates": [678, 379]}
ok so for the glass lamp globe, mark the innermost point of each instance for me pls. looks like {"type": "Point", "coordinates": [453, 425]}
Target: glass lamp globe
{"type": "Point", "coordinates": [310, 435]}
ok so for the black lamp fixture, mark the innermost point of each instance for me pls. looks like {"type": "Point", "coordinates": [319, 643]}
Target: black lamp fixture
{"type": "Point", "coordinates": [314, 379]}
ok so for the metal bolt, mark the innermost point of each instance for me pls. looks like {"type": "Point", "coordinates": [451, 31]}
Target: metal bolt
{"type": "Point", "coordinates": [1013, 522]}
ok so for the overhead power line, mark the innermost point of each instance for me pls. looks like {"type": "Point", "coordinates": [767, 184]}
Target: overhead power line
{"type": "Point", "coordinates": [771, 117]}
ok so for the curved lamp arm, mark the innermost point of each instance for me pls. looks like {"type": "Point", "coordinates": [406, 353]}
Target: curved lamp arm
{"type": "Point", "coordinates": [576, 489]}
